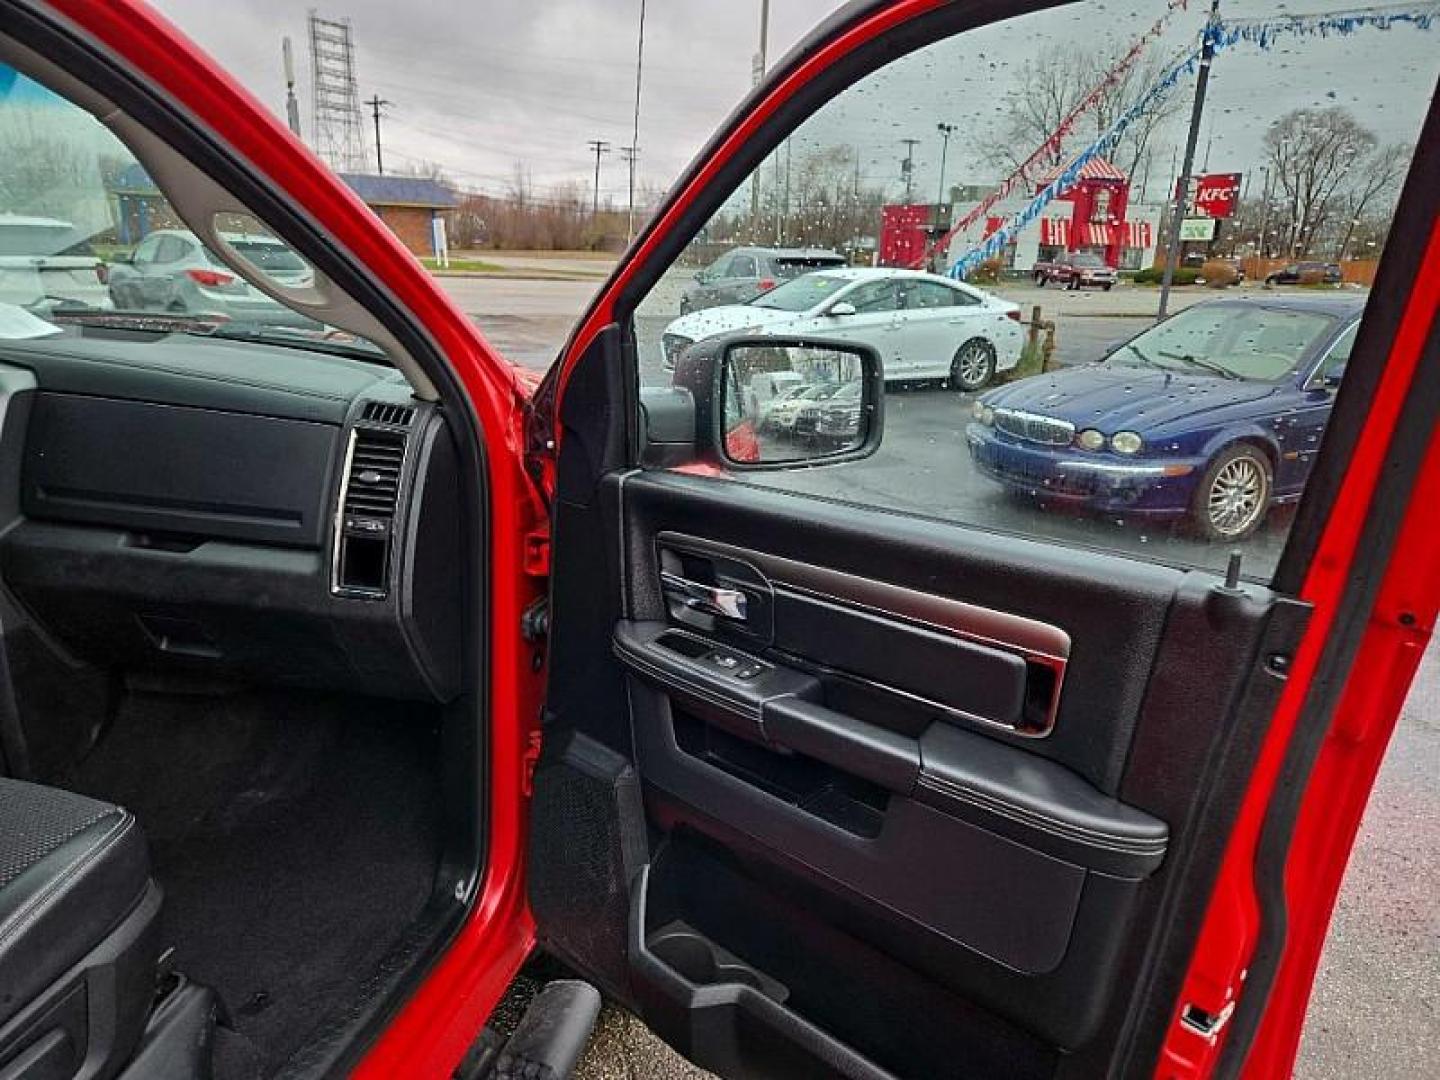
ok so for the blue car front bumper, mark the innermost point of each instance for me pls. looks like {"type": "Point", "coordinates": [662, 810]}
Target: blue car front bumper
{"type": "Point", "coordinates": [1102, 481]}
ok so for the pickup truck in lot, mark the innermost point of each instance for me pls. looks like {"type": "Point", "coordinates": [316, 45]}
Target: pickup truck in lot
{"type": "Point", "coordinates": [1075, 270]}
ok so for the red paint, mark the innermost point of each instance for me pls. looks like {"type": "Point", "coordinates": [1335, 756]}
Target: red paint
{"type": "Point", "coordinates": [905, 233]}
{"type": "Point", "coordinates": [1346, 767]}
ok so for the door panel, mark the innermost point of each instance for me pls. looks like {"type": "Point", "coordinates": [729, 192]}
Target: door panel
{"type": "Point", "coordinates": [863, 787]}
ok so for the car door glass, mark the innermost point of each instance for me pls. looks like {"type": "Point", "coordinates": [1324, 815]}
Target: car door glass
{"type": "Point", "coordinates": [873, 298]}
{"type": "Point", "coordinates": [1075, 415]}
{"type": "Point", "coordinates": [920, 295]}
{"type": "Point", "coordinates": [742, 266]}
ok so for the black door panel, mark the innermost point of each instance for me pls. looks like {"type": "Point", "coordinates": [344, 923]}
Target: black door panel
{"type": "Point", "coordinates": [909, 739]}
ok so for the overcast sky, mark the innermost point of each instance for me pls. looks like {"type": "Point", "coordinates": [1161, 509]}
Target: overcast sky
{"type": "Point", "coordinates": [480, 86]}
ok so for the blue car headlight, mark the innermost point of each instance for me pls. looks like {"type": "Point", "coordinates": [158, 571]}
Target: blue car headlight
{"type": "Point", "coordinates": [1090, 439]}
{"type": "Point", "coordinates": [983, 414]}
{"type": "Point", "coordinates": [1126, 442]}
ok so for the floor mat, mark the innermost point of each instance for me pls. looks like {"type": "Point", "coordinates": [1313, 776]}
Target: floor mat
{"type": "Point", "coordinates": [295, 837]}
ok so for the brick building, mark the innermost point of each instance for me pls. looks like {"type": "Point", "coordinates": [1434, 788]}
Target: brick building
{"type": "Point", "coordinates": [408, 204]}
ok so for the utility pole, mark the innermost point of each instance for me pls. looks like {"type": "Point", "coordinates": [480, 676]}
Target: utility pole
{"type": "Point", "coordinates": [907, 169]}
{"type": "Point", "coordinates": [757, 72]}
{"type": "Point", "coordinates": [377, 103]}
{"type": "Point", "coordinates": [292, 107]}
{"type": "Point", "coordinates": [1182, 186]}
{"type": "Point", "coordinates": [946, 130]}
{"type": "Point", "coordinates": [632, 151]}
{"type": "Point", "coordinates": [1264, 212]}
{"type": "Point", "coordinates": [598, 147]}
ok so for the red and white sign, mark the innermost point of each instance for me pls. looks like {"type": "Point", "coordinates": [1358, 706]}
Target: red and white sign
{"type": "Point", "coordinates": [1214, 196]}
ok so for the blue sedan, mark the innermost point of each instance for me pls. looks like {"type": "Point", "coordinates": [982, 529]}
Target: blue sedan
{"type": "Point", "coordinates": [1216, 413]}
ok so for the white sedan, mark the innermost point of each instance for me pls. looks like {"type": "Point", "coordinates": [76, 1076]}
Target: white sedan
{"type": "Point", "coordinates": [925, 326]}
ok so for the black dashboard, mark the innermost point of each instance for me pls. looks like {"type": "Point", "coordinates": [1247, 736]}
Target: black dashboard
{"type": "Point", "coordinates": [232, 509]}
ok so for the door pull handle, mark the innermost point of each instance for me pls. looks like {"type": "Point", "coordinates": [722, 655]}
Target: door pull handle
{"type": "Point", "coordinates": [707, 599]}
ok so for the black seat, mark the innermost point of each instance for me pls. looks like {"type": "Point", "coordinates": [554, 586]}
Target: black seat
{"type": "Point", "coordinates": [79, 934]}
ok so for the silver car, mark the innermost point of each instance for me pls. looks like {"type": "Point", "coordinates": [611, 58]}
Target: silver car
{"type": "Point", "coordinates": [171, 270]}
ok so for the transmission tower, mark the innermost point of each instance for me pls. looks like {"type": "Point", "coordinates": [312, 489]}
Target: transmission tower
{"type": "Point", "coordinates": [338, 124]}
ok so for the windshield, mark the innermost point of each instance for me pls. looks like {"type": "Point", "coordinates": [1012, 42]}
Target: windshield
{"type": "Point", "coordinates": [88, 238]}
{"type": "Point", "coordinates": [792, 266]}
{"type": "Point", "coordinates": [1086, 260]}
{"type": "Point", "coordinates": [801, 293]}
{"type": "Point", "coordinates": [1234, 341]}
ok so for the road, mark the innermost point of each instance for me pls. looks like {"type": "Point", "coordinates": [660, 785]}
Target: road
{"type": "Point", "coordinates": [1376, 1005]}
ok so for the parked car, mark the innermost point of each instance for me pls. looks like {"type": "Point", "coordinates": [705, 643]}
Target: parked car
{"type": "Point", "coordinates": [1075, 270]}
{"type": "Point", "coordinates": [925, 326]}
{"type": "Point", "coordinates": [1299, 272]}
{"type": "Point", "coordinates": [783, 415]}
{"type": "Point", "coordinates": [744, 273]}
{"type": "Point", "coordinates": [1216, 413]}
{"type": "Point", "coordinates": [835, 420]}
{"type": "Point", "coordinates": [172, 270]}
{"type": "Point", "coordinates": [46, 264]}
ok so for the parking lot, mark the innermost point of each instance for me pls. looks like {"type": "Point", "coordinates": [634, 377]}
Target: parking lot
{"type": "Point", "coordinates": [1376, 1004]}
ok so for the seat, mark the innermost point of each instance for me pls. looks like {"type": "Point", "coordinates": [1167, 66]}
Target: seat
{"type": "Point", "coordinates": [79, 934]}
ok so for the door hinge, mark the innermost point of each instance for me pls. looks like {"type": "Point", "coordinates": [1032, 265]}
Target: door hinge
{"type": "Point", "coordinates": [537, 553]}
{"type": "Point", "coordinates": [529, 758]}
{"type": "Point", "coordinates": [535, 620]}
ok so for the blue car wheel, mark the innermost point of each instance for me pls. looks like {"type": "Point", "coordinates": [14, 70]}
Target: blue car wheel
{"type": "Point", "coordinates": [1234, 494]}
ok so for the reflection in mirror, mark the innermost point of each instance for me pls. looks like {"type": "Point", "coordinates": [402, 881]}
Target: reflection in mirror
{"type": "Point", "coordinates": [794, 404]}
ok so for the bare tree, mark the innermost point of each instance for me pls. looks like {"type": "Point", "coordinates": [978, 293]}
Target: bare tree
{"type": "Point", "coordinates": [1313, 154]}
{"type": "Point", "coordinates": [1053, 83]}
{"type": "Point", "coordinates": [1377, 184]}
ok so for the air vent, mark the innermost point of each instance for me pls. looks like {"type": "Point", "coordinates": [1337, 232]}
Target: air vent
{"type": "Point", "coordinates": [374, 481]}
{"type": "Point", "coordinates": [384, 412]}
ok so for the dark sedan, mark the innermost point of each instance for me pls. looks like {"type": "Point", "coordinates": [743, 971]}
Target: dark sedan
{"type": "Point", "coordinates": [1216, 413]}
{"type": "Point", "coordinates": [1318, 273]}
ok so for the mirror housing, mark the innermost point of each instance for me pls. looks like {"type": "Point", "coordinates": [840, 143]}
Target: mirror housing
{"type": "Point", "coordinates": [702, 276]}
{"type": "Point", "coordinates": [841, 309]}
{"type": "Point", "coordinates": [736, 380]}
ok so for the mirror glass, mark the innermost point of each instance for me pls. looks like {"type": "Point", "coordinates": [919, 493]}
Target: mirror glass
{"type": "Point", "coordinates": [794, 403]}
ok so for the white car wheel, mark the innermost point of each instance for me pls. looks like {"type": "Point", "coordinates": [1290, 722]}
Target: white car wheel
{"type": "Point", "coordinates": [973, 366]}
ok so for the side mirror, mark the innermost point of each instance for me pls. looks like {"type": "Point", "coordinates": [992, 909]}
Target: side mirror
{"type": "Point", "coordinates": [837, 417]}
{"type": "Point", "coordinates": [702, 276]}
{"type": "Point", "coordinates": [841, 309]}
{"type": "Point", "coordinates": [1333, 377]}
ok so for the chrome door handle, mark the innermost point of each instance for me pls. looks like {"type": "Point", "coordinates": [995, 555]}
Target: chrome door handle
{"type": "Point", "coordinates": [707, 599]}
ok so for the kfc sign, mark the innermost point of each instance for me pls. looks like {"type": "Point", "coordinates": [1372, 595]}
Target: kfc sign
{"type": "Point", "coordinates": [1214, 196]}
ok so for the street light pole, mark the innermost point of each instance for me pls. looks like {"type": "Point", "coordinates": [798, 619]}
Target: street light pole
{"type": "Point", "coordinates": [634, 147]}
{"type": "Point", "coordinates": [907, 167]}
{"type": "Point", "coordinates": [946, 130]}
{"type": "Point", "coordinates": [757, 73]}
{"type": "Point", "coordinates": [1182, 186]}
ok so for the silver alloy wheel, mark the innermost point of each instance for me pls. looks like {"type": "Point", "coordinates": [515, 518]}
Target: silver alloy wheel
{"type": "Point", "coordinates": [1237, 496]}
{"type": "Point", "coordinates": [974, 365]}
